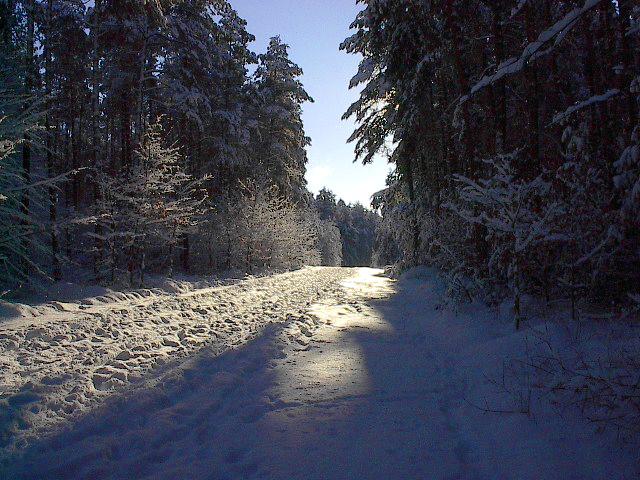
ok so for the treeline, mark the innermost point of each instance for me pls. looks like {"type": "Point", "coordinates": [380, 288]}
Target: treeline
{"type": "Point", "coordinates": [356, 225]}
{"type": "Point", "coordinates": [135, 139]}
{"type": "Point", "coordinates": [516, 141]}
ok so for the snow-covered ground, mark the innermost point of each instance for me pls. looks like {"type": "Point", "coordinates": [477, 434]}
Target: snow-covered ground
{"type": "Point", "coordinates": [60, 359]}
{"type": "Point", "coordinates": [355, 376]}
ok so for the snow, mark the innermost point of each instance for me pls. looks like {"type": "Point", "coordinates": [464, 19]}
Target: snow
{"type": "Point", "coordinates": [365, 71]}
{"type": "Point", "coordinates": [536, 49]}
{"type": "Point", "coordinates": [59, 360]}
{"type": "Point", "coordinates": [560, 117]}
{"type": "Point", "coordinates": [356, 376]}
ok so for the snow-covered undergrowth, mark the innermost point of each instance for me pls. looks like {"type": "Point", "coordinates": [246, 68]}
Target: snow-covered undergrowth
{"type": "Point", "coordinates": [555, 394]}
{"type": "Point", "coordinates": [590, 363]}
{"type": "Point", "coordinates": [59, 360]}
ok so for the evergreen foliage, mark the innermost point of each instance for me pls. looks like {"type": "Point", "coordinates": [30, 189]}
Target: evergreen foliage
{"type": "Point", "coordinates": [514, 133]}
{"type": "Point", "coordinates": [356, 225]}
{"type": "Point", "coordinates": [164, 139]}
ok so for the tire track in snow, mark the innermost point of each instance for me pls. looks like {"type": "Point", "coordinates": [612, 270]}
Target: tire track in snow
{"type": "Point", "coordinates": [174, 424]}
{"type": "Point", "coordinates": [68, 362]}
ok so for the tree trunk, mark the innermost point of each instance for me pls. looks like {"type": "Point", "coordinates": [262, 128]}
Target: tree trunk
{"type": "Point", "coordinates": [185, 253]}
{"type": "Point", "coordinates": [125, 133]}
{"type": "Point", "coordinates": [451, 19]}
{"type": "Point", "coordinates": [500, 89]}
{"type": "Point", "coordinates": [26, 146]}
{"type": "Point", "coordinates": [627, 64]}
{"type": "Point", "coordinates": [53, 197]}
{"type": "Point", "coordinates": [140, 100]}
{"type": "Point", "coordinates": [412, 199]}
{"type": "Point", "coordinates": [533, 100]}
{"type": "Point", "coordinates": [6, 21]}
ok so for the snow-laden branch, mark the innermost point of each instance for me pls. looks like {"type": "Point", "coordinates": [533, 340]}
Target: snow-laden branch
{"type": "Point", "coordinates": [545, 42]}
{"type": "Point", "coordinates": [47, 182]}
{"type": "Point", "coordinates": [580, 105]}
{"type": "Point", "coordinates": [365, 72]}
{"type": "Point", "coordinates": [518, 8]}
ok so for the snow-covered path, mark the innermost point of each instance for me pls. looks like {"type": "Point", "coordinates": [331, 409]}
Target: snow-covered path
{"type": "Point", "coordinates": [63, 359]}
{"type": "Point", "coordinates": [372, 381]}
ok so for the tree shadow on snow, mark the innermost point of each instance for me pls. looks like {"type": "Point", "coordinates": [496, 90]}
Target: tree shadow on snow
{"type": "Point", "coordinates": [381, 399]}
{"type": "Point", "coordinates": [254, 412]}
{"type": "Point", "coordinates": [182, 427]}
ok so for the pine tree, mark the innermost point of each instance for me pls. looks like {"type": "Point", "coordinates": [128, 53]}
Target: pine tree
{"type": "Point", "coordinates": [120, 80]}
{"type": "Point", "coordinates": [281, 137]}
{"type": "Point", "coordinates": [453, 85]}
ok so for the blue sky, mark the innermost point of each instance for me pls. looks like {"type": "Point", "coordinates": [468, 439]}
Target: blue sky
{"type": "Point", "coordinates": [314, 29]}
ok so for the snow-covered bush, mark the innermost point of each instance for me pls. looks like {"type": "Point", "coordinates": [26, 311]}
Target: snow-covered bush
{"type": "Point", "coordinates": [628, 178]}
{"type": "Point", "coordinates": [596, 374]}
{"type": "Point", "coordinates": [447, 244]}
{"type": "Point", "coordinates": [515, 217]}
{"type": "Point", "coordinates": [149, 208]}
{"type": "Point", "coordinates": [258, 229]}
{"type": "Point", "coordinates": [551, 235]}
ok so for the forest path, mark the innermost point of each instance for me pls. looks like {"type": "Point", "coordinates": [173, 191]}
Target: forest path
{"type": "Point", "coordinates": [369, 382]}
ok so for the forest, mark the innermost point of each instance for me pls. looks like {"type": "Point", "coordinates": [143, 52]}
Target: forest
{"type": "Point", "coordinates": [147, 138]}
{"type": "Point", "coordinates": [181, 299]}
{"type": "Point", "coordinates": [514, 130]}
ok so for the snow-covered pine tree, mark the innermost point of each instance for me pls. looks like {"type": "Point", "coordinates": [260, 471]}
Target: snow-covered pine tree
{"type": "Point", "coordinates": [22, 246]}
{"type": "Point", "coordinates": [205, 73]}
{"type": "Point", "coordinates": [129, 40]}
{"type": "Point", "coordinates": [282, 142]}
{"type": "Point", "coordinates": [16, 228]}
{"type": "Point", "coordinates": [448, 83]}
{"type": "Point", "coordinates": [106, 71]}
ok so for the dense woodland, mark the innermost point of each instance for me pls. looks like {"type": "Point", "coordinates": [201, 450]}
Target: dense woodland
{"type": "Point", "coordinates": [146, 137]}
{"type": "Point", "coordinates": [357, 227]}
{"type": "Point", "coordinates": [514, 130]}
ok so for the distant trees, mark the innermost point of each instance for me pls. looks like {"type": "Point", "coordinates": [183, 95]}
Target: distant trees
{"type": "Point", "coordinates": [329, 241]}
{"type": "Point", "coordinates": [150, 108]}
{"type": "Point", "coordinates": [357, 227]}
{"type": "Point", "coordinates": [514, 127]}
